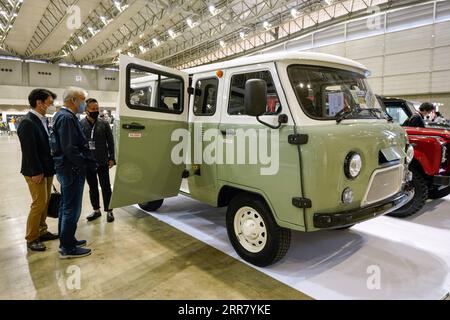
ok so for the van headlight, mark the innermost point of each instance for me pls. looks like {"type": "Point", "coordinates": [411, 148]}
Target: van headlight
{"type": "Point", "coordinates": [353, 165]}
{"type": "Point", "coordinates": [409, 154]}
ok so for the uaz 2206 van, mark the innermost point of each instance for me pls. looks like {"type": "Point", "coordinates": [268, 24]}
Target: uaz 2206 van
{"type": "Point", "coordinates": [289, 141]}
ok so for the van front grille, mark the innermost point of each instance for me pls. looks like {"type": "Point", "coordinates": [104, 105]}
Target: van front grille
{"type": "Point", "coordinates": [384, 183]}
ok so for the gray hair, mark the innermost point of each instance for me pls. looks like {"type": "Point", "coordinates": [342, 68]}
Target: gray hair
{"type": "Point", "coordinates": [72, 92]}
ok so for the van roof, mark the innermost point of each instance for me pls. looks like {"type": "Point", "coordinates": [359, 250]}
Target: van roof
{"type": "Point", "coordinates": [280, 56]}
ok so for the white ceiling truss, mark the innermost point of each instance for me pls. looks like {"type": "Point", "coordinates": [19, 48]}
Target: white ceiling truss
{"type": "Point", "coordinates": [176, 33]}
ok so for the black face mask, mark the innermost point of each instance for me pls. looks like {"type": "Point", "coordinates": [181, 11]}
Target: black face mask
{"type": "Point", "coordinates": [93, 115]}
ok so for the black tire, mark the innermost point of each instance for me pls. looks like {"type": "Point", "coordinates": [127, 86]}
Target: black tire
{"type": "Point", "coordinates": [277, 239]}
{"type": "Point", "coordinates": [151, 205]}
{"type": "Point", "coordinates": [435, 193]}
{"type": "Point", "coordinates": [420, 186]}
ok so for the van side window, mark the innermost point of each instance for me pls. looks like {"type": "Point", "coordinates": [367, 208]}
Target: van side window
{"type": "Point", "coordinates": [237, 93]}
{"type": "Point", "coordinates": [152, 91]}
{"type": "Point", "coordinates": [205, 100]}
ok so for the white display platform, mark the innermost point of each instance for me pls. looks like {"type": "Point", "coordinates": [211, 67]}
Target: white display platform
{"type": "Point", "coordinates": [411, 256]}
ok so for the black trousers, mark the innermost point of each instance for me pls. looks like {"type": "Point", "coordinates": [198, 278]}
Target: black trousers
{"type": "Point", "coordinates": [103, 176]}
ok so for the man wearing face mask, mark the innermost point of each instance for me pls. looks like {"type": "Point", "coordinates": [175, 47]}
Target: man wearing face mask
{"type": "Point", "coordinates": [101, 143]}
{"type": "Point", "coordinates": [418, 119]}
{"type": "Point", "coordinates": [72, 159]}
{"type": "Point", "coordinates": [37, 166]}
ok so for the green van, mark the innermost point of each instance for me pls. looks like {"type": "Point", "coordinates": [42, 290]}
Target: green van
{"type": "Point", "coordinates": [287, 141]}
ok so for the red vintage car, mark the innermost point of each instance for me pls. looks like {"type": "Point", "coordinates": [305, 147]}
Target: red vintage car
{"type": "Point", "coordinates": [431, 165]}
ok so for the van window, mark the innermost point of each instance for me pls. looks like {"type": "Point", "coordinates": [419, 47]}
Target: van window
{"type": "Point", "coordinates": [237, 93]}
{"type": "Point", "coordinates": [153, 91]}
{"type": "Point", "coordinates": [205, 100]}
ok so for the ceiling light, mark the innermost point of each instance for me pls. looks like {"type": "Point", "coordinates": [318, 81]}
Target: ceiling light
{"type": "Point", "coordinates": [130, 43]}
{"type": "Point", "coordinates": [92, 31]}
{"type": "Point", "coordinates": [172, 34]}
{"type": "Point", "coordinates": [156, 42]}
{"type": "Point", "coordinates": [103, 19]}
{"type": "Point", "coordinates": [242, 35]}
{"type": "Point", "coordinates": [294, 13]}
{"type": "Point", "coordinates": [73, 47]}
{"type": "Point", "coordinates": [119, 51]}
{"type": "Point", "coordinates": [213, 10]}
{"type": "Point", "coordinates": [266, 25]}
{"type": "Point", "coordinates": [82, 40]}
{"type": "Point", "coordinates": [130, 54]}
{"type": "Point", "coordinates": [143, 49]}
{"type": "Point", "coordinates": [141, 35]}
{"type": "Point", "coordinates": [222, 43]}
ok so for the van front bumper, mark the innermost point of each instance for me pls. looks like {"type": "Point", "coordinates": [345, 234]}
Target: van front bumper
{"type": "Point", "coordinates": [347, 218]}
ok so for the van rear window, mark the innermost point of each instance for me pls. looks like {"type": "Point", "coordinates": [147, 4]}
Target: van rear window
{"type": "Point", "coordinates": [153, 91]}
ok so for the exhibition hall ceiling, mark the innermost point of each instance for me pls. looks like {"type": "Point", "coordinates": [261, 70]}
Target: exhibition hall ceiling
{"type": "Point", "coordinates": [169, 32]}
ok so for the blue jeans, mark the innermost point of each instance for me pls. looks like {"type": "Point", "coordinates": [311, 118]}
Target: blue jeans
{"type": "Point", "coordinates": [72, 185]}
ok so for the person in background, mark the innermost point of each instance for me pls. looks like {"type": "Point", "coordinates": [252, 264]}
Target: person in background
{"type": "Point", "coordinates": [418, 119]}
{"type": "Point", "coordinates": [72, 159]}
{"type": "Point", "coordinates": [105, 116]}
{"type": "Point", "coordinates": [439, 119]}
{"type": "Point", "coordinates": [37, 166]}
{"type": "Point", "coordinates": [101, 143]}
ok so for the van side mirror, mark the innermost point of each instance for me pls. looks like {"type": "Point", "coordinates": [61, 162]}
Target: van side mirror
{"type": "Point", "coordinates": [255, 100]}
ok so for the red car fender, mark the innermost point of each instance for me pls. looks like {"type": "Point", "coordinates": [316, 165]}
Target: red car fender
{"type": "Point", "coordinates": [427, 152]}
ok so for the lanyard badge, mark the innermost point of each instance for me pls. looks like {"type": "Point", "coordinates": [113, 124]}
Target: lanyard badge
{"type": "Point", "coordinates": [92, 141]}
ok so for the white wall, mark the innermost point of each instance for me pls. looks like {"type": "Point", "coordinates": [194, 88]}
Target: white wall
{"type": "Point", "coordinates": [18, 79]}
{"type": "Point", "coordinates": [12, 97]}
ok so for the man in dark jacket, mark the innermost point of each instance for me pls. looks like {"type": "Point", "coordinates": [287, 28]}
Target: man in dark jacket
{"type": "Point", "coordinates": [101, 143]}
{"type": "Point", "coordinates": [37, 166]}
{"type": "Point", "coordinates": [417, 120]}
{"type": "Point", "coordinates": [72, 159]}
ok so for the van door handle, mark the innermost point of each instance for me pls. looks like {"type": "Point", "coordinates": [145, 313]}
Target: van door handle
{"type": "Point", "coordinates": [229, 132]}
{"type": "Point", "coordinates": [133, 126]}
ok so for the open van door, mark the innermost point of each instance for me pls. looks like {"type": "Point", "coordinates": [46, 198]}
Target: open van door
{"type": "Point", "coordinates": [152, 104]}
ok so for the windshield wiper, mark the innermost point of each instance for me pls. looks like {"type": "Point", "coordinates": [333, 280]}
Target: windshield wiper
{"type": "Point", "coordinates": [342, 115]}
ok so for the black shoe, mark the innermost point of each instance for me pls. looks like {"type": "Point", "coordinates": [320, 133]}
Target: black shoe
{"type": "Point", "coordinates": [36, 245]}
{"type": "Point", "coordinates": [94, 215]}
{"type": "Point", "coordinates": [75, 253]}
{"type": "Point", "coordinates": [79, 244]}
{"type": "Point", "coordinates": [109, 216]}
{"type": "Point", "coordinates": [48, 237]}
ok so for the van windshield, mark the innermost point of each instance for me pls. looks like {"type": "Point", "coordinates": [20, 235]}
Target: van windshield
{"type": "Point", "coordinates": [332, 94]}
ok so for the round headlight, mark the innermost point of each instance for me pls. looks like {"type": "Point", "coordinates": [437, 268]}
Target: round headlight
{"type": "Point", "coordinates": [409, 154]}
{"type": "Point", "coordinates": [347, 196]}
{"type": "Point", "coordinates": [353, 165]}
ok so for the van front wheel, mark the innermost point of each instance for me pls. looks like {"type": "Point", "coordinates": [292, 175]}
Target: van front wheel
{"type": "Point", "coordinates": [151, 205]}
{"type": "Point", "coordinates": [254, 233]}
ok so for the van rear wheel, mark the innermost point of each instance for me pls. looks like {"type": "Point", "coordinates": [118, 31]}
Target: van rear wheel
{"type": "Point", "coordinates": [253, 231]}
{"type": "Point", "coordinates": [151, 205]}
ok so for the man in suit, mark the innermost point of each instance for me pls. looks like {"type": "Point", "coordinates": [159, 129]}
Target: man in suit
{"type": "Point", "coordinates": [101, 143]}
{"type": "Point", "coordinates": [72, 159]}
{"type": "Point", "coordinates": [37, 166]}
